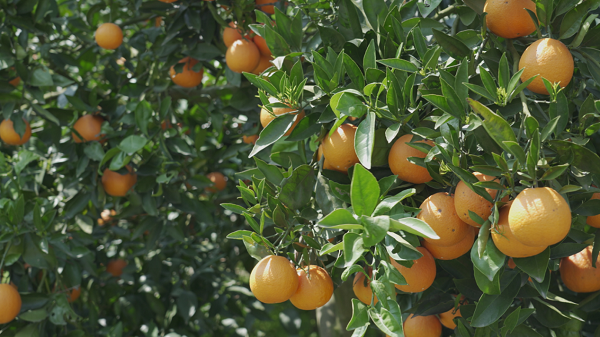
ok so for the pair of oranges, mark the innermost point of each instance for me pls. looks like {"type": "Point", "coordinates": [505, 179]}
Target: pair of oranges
{"type": "Point", "coordinates": [245, 53]}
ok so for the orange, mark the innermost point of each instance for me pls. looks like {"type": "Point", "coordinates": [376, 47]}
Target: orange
{"type": "Point", "coordinates": [420, 275]}
{"type": "Point", "coordinates": [10, 136]}
{"type": "Point", "coordinates": [15, 81]}
{"type": "Point", "coordinates": [577, 273]}
{"type": "Point", "coordinates": [242, 56]}
{"type": "Point", "coordinates": [158, 21]}
{"type": "Point", "coordinates": [508, 18]}
{"type": "Point", "coordinates": [506, 242]}
{"type": "Point", "coordinates": [439, 213]}
{"type": "Point", "coordinates": [115, 267]}
{"type": "Point", "coordinates": [326, 164]}
{"type": "Point", "coordinates": [363, 290]}
{"type": "Point", "coordinates": [187, 78]}
{"type": "Point", "coordinates": [273, 279]}
{"type": "Point", "coordinates": [106, 216]}
{"type": "Point", "coordinates": [338, 148]}
{"type": "Point", "coordinates": [250, 139]}
{"type": "Point", "coordinates": [400, 165]}
{"type": "Point", "coordinates": [594, 220]}
{"type": "Point", "coordinates": [466, 200]}
{"type": "Point", "coordinates": [422, 326]}
{"type": "Point", "coordinates": [269, 9]}
{"type": "Point", "coordinates": [262, 46]}
{"type": "Point", "coordinates": [74, 294]}
{"type": "Point", "coordinates": [549, 59]}
{"type": "Point", "coordinates": [263, 64]}
{"type": "Point", "coordinates": [117, 184]}
{"type": "Point", "coordinates": [109, 36]}
{"type": "Point", "coordinates": [266, 117]}
{"type": "Point", "coordinates": [454, 251]}
{"type": "Point", "coordinates": [314, 289]}
{"type": "Point", "coordinates": [11, 303]}
{"type": "Point", "coordinates": [89, 128]}
{"type": "Point", "coordinates": [447, 318]}
{"type": "Point", "coordinates": [218, 180]}
{"type": "Point", "coordinates": [539, 217]}
{"type": "Point", "coordinates": [231, 34]}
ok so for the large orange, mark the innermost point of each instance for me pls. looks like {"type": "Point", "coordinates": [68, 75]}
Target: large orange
{"type": "Point", "coordinates": [326, 164]}
{"type": "Point", "coordinates": [506, 242]}
{"type": "Point", "coordinates": [400, 165]}
{"type": "Point", "coordinates": [89, 128]}
{"type": "Point", "coordinates": [263, 64]}
{"type": "Point", "coordinates": [266, 117]}
{"type": "Point", "coordinates": [549, 59]}
{"type": "Point", "coordinates": [262, 46]}
{"type": "Point", "coordinates": [362, 289]}
{"type": "Point", "coordinates": [115, 267]}
{"type": "Point", "coordinates": [466, 200]}
{"type": "Point", "coordinates": [231, 34]}
{"type": "Point", "coordinates": [242, 56]}
{"type": "Point", "coordinates": [539, 217]}
{"type": "Point", "coordinates": [269, 9]}
{"type": "Point", "coordinates": [273, 279]}
{"type": "Point", "coordinates": [420, 276]}
{"type": "Point", "coordinates": [187, 78]}
{"type": "Point", "coordinates": [594, 220]}
{"type": "Point", "coordinates": [508, 18]}
{"type": "Point", "coordinates": [117, 184]}
{"type": "Point", "coordinates": [10, 136]}
{"type": "Point", "coordinates": [219, 181]}
{"type": "Point", "coordinates": [439, 213]}
{"type": "Point", "coordinates": [314, 289]}
{"type": "Point", "coordinates": [422, 326]}
{"type": "Point", "coordinates": [452, 252]}
{"type": "Point", "coordinates": [338, 148]}
{"type": "Point", "coordinates": [109, 36]}
{"type": "Point", "coordinates": [577, 273]}
{"type": "Point", "coordinates": [447, 318]}
{"type": "Point", "coordinates": [11, 303]}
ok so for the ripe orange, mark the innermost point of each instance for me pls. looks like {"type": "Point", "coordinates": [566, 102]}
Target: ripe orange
{"type": "Point", "coordinates": [506, 242]}
{"type": "Point", "coordinates": [250, 139]}
{"type": "Point", "coordinates": [422, 326]}
{"type": "Point", "coordinates": [420, 276]}
{"type": "Point", "coordinates": [266, 117]}
{"type": "Point", "coordinates": [158, 21]}
{"type": "Point", "coordinates": [109, 36]}
{"type": "Point", "coordinates": [117, 184]}
{"type": "Point", "coordinates": [269, 9]}
{"type": "Point", "coordinates": [10, 136]}
{"type": "Point", "coordinates": [549, 59]}
{"type": "Point", "coordinates": [466, 200]}
{"type": "Point", "coordinates": [326, 164]}
{"type": "Point", "coordinates": [89, 128]}
{"type": "Point", "coordinates": [15, 81]}
{"type": "Point", "coordinates": [11, 303]}
{"type": "Point", "coordinates": [539, 217]}
{"type": "Point", "coordinates": [115, 267]}
{"type": "Point", "coordinates": [231, 34]}
{"type": "Point", "coordinates": [452, 252]}
{"type": "Point", "coordinates": [577, 273]}
{"type": "Point", "coordinates": [439, 213]}
{"type": "Point", "coordinates": [187, 78]}
{"type": "Point", "coordinates": [74, 294]}
{"type": "Point", "coordinates": [447, 318]}
{"type": "Point", "coordinates": [242, 56]}
{"type": "Point", "coordinates": [273, 279]}
{"type": "Point", "coordinates": [314, 289]}
{"type": "Point", "coordinates": [218, 180]}
{"type": "Point", "coordinates": [363, 290]}
{"type": "Point", "coordinates": [508, 18]}
{"type": "Point", "coordinates": [339, 149]}
{"type": "Point", "coordinates": [400, 165]}
{"type": "Point", "coordinates": [263, 64]}
{"type": "Point", "coordinates": [262, 46]}
{"type": "Point", "coordinates": [594, 220]}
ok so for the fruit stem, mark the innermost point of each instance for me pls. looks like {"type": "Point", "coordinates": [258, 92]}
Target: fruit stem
{"type": "Point", "coordinates": [3, 257]}
{"type": "Point", "coordinates": [516, 58]}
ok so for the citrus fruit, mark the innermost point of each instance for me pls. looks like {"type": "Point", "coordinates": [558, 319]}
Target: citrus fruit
{"type": "Point", "coordinates": [549, 59]}
{"type": "Point", "coordinates": [117, 184]}
{"type": "Point", "coordinates": [250, 139]}
{"type": "Point", "coordinates": [539, 217]}
{"type": "Point", "coordinates": [422, 326]}
{"type": "Point", "coordinates": [106, 216]}
{"type": "Point", "coordinates": [15, 81]}
{"type": "Point", "coordinates": [242, 56]}
{"type": "Point", "coordinates": [263, 64]}
{"type": "Point", "coordinates": [266, 117]}
{"type": "Point", "coordinates": [577, 273]}
{"type": "Point", "coordinates": [452, 252]}
{"type": "Point", "coordinates": [158, 21]}
{"type": "Point", "coordinates": [362, 289]}
{"type": "Point", "coordinates": [10, 136]}
{"type": "Point", "coordinates": [339, 149]}
{"type": "Point", "coordinates": [273, 279]}
{"type": "Point", "coordinates": [218, 179]}
{"type": "Point", "coordinates": [439, 213]}
{"type": "Point", "coordinates": [11, 303]}
{"type": "Point", "coordinates": [326, 164]}
{"type": "Point", "coordinates": [465, 200]}
{"type": "Point", "coordinates": [261, 43]}
{"type": "Point", "coordinates": [314, 289]}
{"type": "Point", "coordinates": [187, 78]}
{"type": "Point", "coordinates": [269, 9]}
{"type": "Point", "coordinates": [74, 294]}
{"type": "Point", "coordinates": [88, 127]}
{"type": "Point", "coordinates": [115, 267]}
{"type": "Point", "coordinates": [109, 36]}
{"type": "Point", "coordinates": [231, 34]}
{"type": "Point", "coordinates": [447, 318]}
{"type": "Point", "coordinates": [420, 275]}
{"type": "Point", "coordinates": [594, 220]}
{"type": "Point", "coordinates": [508, 18]}
{"type": "Point", "coordinates": [506, 242]}
{"type": "Point", "coordinates": [400, 165]}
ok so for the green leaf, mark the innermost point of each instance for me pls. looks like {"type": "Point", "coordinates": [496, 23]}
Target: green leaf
{"type": "Point", "coordinates": [451, 45]}
{"type": "Point", "coordinates": [338, 217]}
{"type": "Point", "coordinates": [360, 315]}
{"type": "Point", "coordinates": [386, 322]}
{"type": "Point", "coordinates": [353, 248]}
{"type": "Point", "coordinates": [272, 173]}
{"type": "Point", "coordinates": [143, 113]}
{"type": "Point", "coordinates": [388, 203]}
{"type": "Point", "coordinates": [496, 126]}
{"type": "Point", "coordinates": [239, 235]}
{"type": "Point", "coordinates": [413, 226]}
{"type": "Point", "coordinates": [491, 261]}
{"type": "Point", "coordinates": [369, 60]}
{"type": "Point", "coordinates": [297, 189]}
{"type": "Point", "coordinates": [481, 91]}
{"type": "Point", "coordinates": [576, 155]}
{"type": "Point", "coordinates": [399, 64]}
{"type": "Point", "coordinates": [375, 229]}
{"type": "Point", "coordinates": [132, 144]}
{"type": "Point", "coordinates": [488, 82]}
{"type": "Point", "coordinates": [535, 266]}
{"type": "Point", "coordinates": [41, 77]}
{"type": "Point", "coordinates": [364, 140]}
{"type": "Point", "coordinates": [273, 132]}
{"type": "Point", "coordinates": [364, 191]}
{"type": "Point", "coordinates": [491, 307]}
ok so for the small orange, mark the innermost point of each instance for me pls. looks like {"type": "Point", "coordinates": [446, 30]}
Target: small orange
{"type": "Point", "coordinates": [115, 267]}
{"type": "Point", "coordinates": [314, 289]}
{"type": "Point", "coordinates": [263, 64]}
{"type": "Point", "coordinates": [219, 181]}
{"type": "Point", "coordinates": [109, 36]}
{"type": "Point", "coordinates": [261, 43]}
{"type": "Point", "coordinates": [242, 56]}
{"type": "Point", "coordinates": [420, 276]}
{"type": "Point", "coordinates": [266, 117]}
{"type": "Point", "coordinates": [447, 318]}
{"type": "Point", "coordinates": [452, 252]}
{"type": "Point", "coordinates": [577, 273]}
{"type": "Point", "coordinates": [158, 21]}
{"type": "Point", "coordinates": [508, 18]}
{"type": "Point", "coordinates": [74, 294]}
{"type": "Point", "coordinates": [339, 150]}
{"type": "Point", "coordinates": [89, 128]}
{"type": "Point", "coordinates": [15, 81]}
{"type": "Point", "coordinates": [250, 139]}
{"type": "Point", "coordinates": [231, 34]}
{"type": "Point", "coordinates": [594, 220]}
{"type": "Point", "coordinates": [439, 213]}
{"type": "Point", "coordinates": [10, 136]}
{"type": "Point", "coordinates": [363, 291]}
{"type": "Point", "coordinates": [187, 78]}
{"type": "Point", "coordinates": [269, 9]}
{"type": "Point", "coordinates": [549, 59]}
{"type": "Point", "coordinates": [466, 200]}
{"type": "Point", "coordinates": [273, 279]}
{"type": "Point", "coordinates": [422, 326]}
{"type": "Point", "coordinates": [506, 242]}
{"type": "Point", "coordinates": [11, 303]}
{"type": "Point", "coordinates": [400, 166]}
{"type": "Point", "coordinates": [117, 184]}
